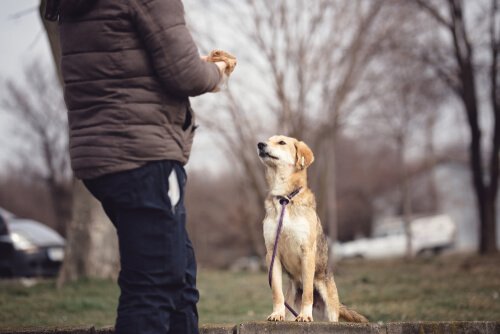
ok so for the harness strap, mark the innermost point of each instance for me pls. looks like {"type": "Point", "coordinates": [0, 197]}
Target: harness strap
{"type": "Point", "coordinates": [284, 201]}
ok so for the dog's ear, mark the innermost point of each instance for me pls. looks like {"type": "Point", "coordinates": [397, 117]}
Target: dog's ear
{"type": "Point", "coordinates": [305, 156]}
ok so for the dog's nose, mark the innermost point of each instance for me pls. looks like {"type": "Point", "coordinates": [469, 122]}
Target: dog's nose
{"type": "Point", "coordinates": [261, 145]}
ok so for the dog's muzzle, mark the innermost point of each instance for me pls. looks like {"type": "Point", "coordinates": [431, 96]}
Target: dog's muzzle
{"type": "Point", "coordinates": [262, 150]}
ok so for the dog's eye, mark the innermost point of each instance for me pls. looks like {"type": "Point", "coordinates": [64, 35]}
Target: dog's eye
{"type": "Point", "coordinates": [282, 143]}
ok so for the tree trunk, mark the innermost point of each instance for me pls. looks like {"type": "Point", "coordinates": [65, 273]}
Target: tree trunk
{"type": "Point", "coordinates": [464, 57]}
{"type": "Point", "coordinates": [61, 197]}
{"type": "Point", "coordinates": [331, 192]}
{"type": "Point", "coordinates": [465, 89]}
{"type": "Point", "coordinates": [78, 239]}
{"type": "Point", "coordinates": [488, 233]}
{"type": "Point", "coordinates": [92, 245]}
{"type": "Point", "coordinates": [407, 212]}
{"type": "Point", "coordinates": [477, 172]}
{"type": "Point", "coordinates": [328, 184]}
{"type": "Point", "coordinates": [322, 187]}
{"type": "Point", "coordinates": [405, 194]}
{"type": "Point", "coordinates": [430, 155]}
{"type": "Point", "coordinates": [484, 197]}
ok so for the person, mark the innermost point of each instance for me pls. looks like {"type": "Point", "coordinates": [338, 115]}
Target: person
{"type": "Point", "coordinates": [129, 68]}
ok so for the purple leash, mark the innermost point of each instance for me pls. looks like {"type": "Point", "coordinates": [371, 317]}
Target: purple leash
{"type": "Point", "coordinates": [284, 201]}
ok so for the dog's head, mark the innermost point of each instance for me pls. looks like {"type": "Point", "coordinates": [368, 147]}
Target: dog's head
{"type": "Point", "coordinates": [282, 151]}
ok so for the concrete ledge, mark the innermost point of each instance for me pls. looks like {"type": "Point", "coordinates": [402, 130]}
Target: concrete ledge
{"type": "Point", "coordinates": [217, 329]}
{"type": "Point", "coordinates": [60, 330]}
{"type": "Point", "coordinates": [448, 327]}
{"type": "Point", "coordinates": [445, 327]}
{"type": "Point", "coordinates": [309, 328]}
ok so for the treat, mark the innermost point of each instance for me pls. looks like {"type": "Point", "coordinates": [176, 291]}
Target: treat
{"type": "Point", "coordinates": [229, 59]}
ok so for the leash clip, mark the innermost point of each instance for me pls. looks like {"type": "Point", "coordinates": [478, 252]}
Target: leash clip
{"type": "Point", "coordinates": [283, 200]}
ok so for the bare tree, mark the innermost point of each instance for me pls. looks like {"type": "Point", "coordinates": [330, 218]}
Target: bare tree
{"type": "Point", "coordinates": [42, 126]}
{"type": "Point", "coordinates": [410, 102]}
{"type": "Point", "coordinates": [308, 59]}
{"type": "Point", "coordinates": [463, 63]}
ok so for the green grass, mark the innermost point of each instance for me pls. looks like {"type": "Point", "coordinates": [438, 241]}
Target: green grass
{"type": "Point", "coordinates": [443, 288]}
{"type": "Point", "coordinates": [83, 303]}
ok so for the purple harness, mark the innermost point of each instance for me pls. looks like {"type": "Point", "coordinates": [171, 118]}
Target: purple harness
{"type": "Point", "coordinates": [284, 201]}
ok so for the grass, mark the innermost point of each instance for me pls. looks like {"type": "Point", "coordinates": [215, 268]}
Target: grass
{"type": "Point", "coordinates": [83, 303]}
{"type": "Point", "coordinates": [442, 288]}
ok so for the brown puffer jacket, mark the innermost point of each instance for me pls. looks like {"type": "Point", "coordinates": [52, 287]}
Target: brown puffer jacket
{"type": "Point", "coordinates": [129, 67]}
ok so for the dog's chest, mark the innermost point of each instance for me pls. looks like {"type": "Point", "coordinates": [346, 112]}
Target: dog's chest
{"type": "Point", "coordinates": [294, 233]}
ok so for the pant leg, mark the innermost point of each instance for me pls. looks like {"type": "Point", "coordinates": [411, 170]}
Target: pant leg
{"type": "Point", "coordinates": [185, 318]}
{"type": "Point", "coordinates": [158, 293]}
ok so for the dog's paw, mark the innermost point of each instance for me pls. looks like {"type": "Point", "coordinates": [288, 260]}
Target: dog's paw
{"type": "Point", "coordinates": [276, 316]}
{"type": "Point", "coordinates": [304, 318]}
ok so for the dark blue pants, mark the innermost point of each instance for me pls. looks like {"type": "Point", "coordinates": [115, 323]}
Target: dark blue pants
{"type": "Point", "coordinates": [158, 268]}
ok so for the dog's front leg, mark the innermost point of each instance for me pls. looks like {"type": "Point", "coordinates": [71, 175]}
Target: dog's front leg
{"type": "Point", "coordinates": [308, 265]}
{"type": "Point", "coordinates": [277, 288]}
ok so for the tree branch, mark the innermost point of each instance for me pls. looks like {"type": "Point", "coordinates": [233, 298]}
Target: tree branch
{"type": "Point", "coordinates": [434, 13]}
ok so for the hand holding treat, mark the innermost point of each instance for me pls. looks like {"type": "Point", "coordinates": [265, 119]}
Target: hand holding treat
{"type": "Point", "coordinates": [226, 63]}
{"type": "Point", "coordinates": [226, 57]}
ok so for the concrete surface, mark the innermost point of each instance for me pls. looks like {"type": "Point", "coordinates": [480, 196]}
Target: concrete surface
{"type": "Point", "coordinates": [445, 327]}
{"type": "Point", "coordinates": [308, 328]}
{"type": "Point", "coordinates": [60, 330]}
{"type": "Point", "coordinates": [217, 329]}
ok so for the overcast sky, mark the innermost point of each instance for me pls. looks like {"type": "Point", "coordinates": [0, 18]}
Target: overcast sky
{"type": "Point", "coordinates": [21, 41]}
{"type": "Point", "coordinates": [21, 38]}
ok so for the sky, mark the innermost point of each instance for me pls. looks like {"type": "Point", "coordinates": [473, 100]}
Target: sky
{"type": "Point", "coordinates": [22, 41]}
{"type": "Point", "coordinates": [22, 37]}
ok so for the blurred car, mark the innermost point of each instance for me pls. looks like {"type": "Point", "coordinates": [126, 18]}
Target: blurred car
{"type": "Point", "coordinates": [430, 235]}
{"type": "Point", "coordinates": [29, 248]}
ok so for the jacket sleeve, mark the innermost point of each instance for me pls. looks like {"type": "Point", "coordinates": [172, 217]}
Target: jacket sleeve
{"type": "Point", "coordinates": [175, 57]}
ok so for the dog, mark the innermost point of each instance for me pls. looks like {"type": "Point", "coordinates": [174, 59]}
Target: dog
{"type": "Point", "coordinates": [302, 250]}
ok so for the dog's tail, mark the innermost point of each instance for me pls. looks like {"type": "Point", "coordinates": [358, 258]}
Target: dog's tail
{"type": "Point", "coordinates": [349, 315]}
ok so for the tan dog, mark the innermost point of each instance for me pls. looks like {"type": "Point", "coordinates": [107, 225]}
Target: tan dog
{"type": "Point", "coordinates": [302, 248]}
